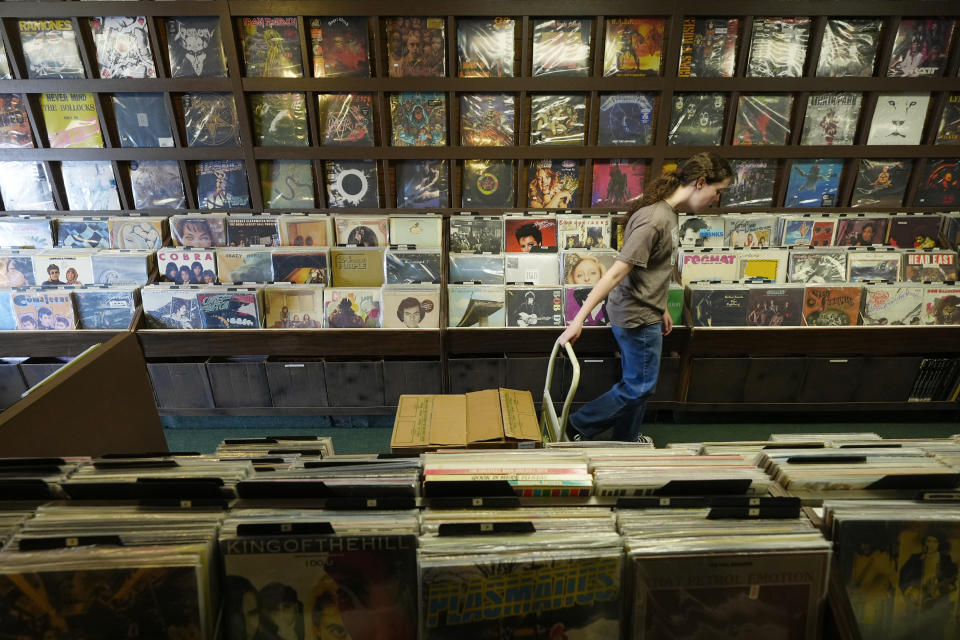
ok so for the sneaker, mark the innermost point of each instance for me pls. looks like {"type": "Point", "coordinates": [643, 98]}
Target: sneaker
{"type": "Point", "coordinates": [642, 439]}
{"type": "Point", "coordinates": [572, 434]}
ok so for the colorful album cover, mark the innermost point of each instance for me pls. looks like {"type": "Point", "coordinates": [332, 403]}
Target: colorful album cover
{"type": "Point", "coordinates": [305, 230]}
{"type": "Point", "coordinates": [357, 267]}
{"type": "Point", "coordinates": [422, 184]}
{"type": "Point", "coordinates": [749, 230]}
{"type": "Point", "coordinates": [301, 265]}
{"type": "Point", "coordinates": [423, 231]}
{"type": "Point", "coordinates": [118, 267]}
{"type": "Point", "coordinates": [414, 267]}
{"type": "Point", "coordinates": [171, 308]}
{"type": "Point", "coordinates": [195, 47]}
{"type": "Point", "coordinates": [83, 233]}
{"type": "Point", "coordinates": [856, 231]}
{"type": "Point", "coordinates": [778, 47]}
{"type": "Point", "coordinates": [881, 183]}
{"type": "Point", "coordinates": [105, 307]}
{"type": "Point", "coordinates": [418, 119]}
{"type": "Point", "coordinates": [941, 184]}
{"type": "Point", "coordinates": [763, 119]}
{"type": "Point", "coordinates": [71, 120]}
{"type": "Point", "coordinates": [831, 119]}
{"type": "Point", "coordinates": [475, 306]}
{"type": "Point", "coordinates": [222, 184]}
{"type": "Point", "coordinates": [529, 234]}
{"type": "Point", "coordinates": [475, 234]}
{"type": "Point", "coordinates": [817, 267]}
{"type": "Point", "coordinates": [626, 119]}
{"type": "Point", "coordinates": [824, 232]}
{"type": "Point", "coordinates": [708, 264]}
{"type": "Point", "coordinates": [863, 266]}
{"type": "Point", "coordinates": [753, 185]}
{"type": "Point", "coordinates": [156, 184]}
{"type": "Point", "coordinates": [917, 231]}
{"type": "Point", "coordinates": [898, 118]}
{"type": "Point", "coordinates": [287, 184]}
{"type": "Point", "coordinates": [487, 184]}
{"type": "Point", "coordinates": [279, 119]}
{"type": "Point", "coordinates": [232, 309]}
{"type": "Point", "coordinates": [253, 230]}
{"type": "Point", "coordinates": [584, 232]}
{"type": "Point", "coordinates": [187, 265]}
{"type": "Point", "coordinates": [199, 230]}
{"type": "Point", "coordinates": [717, 305]}
{"type": "Point", "coordinates": [43, 309]}
{"type": "Point", "coordinates": [831, 306]}
{"type": "Point", "coordinates": [4, 64]}
{"type": "Point", "coordinates": [406, 307]}
{"type": "Point", "coordinates": [244, 265]}
{"type": "Point", "coordinates": [477, 269]}
{"type": "Point", "coordinates": [135, 232]}
{"type": "Point", "coordinates": [210, 120]}
{"type": "Point", "coordinates": [352, 184]}
{"type": "Point", "coordinates": [921, 47]}
{"type": "Point", "coordinates": [24, 186]}
{"type": "Point", "coordinates": [485, 47]}
{"type": "Point", "coordinates": [340, 47]}
{"type": "Point", "coordinates": [949, 131]}
{"type": "Point", "coordinates": [697, 119]}
{"type": "Point", "coordinates": [941, 305]}
{"type": "Point", "coordinates": [553, 184]}
{"type": "Point", "coordinates": [531, 269]}
{"type": "Point", "coordinates": [357, 308]}
{"type": "Point", "coordinates": [362, 231]}
{"type": "Point", "coordinates": [633, 47]}
{"type": "Point", "coordinates": [486, 119]}
{"type": "Point", "coordinates": [561, 47]}
{"type": "Point", "coordinates": [557, 119]}
{"type": "Point", "coordinates": [416, 47]}
{"type": "Point", "coordinates": [930, 266]}
{"type": "Point", "coordinates": [573, 299]}
{"type": "Point", "coordinates": [708, 48]}
{"type": "Point", "coordinates": [763, 264]}
{"type": "Point", "coordinates": [50, 48]}
{"type": "Point", "coordinates": [774, 306]}
{"type": "Point", "coordinates": [26, 233]}
{"type": "Point", "coordinates": [70, 267]}
{"type": "Point", "coordinates": [346, 119]}
{"type": "Point", "coordinates": [849, 47]}
{"type": "Point", "coordinates": [90, 185]}
{"type": "Point", "coordinates": [293, 307]}
{"type": "Point", "coordinates": [797, 231]}
{"type": "Point", "coordinates": [271, 47]}
{"type": "Point", "coordinates": [585, 267]}
{"type": "Point", "coordinates": [534, 307]}
{"type": "Point", "coordinates": [617, 183]}
{"type": "Point", "coordinates": [123, 47]}
{"type": "Point", "coordinates": [14, 123]}
{"type": "Point", "coordinates": [892, 305]}
{"type": "Point", "coordinates": [813, 183]}
{"type": "Point", "coordinates": [142, 120]}
{"type": "Point", "coordinates": [16, 268]}
{"type": "Point", "coordinates": [701, 231]}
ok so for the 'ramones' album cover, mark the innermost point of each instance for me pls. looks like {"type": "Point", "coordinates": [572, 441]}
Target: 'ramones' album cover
{"type": "Point", "coordinates": [357, 266]}
{"type": "Point", "coordinates": [156, 184]}
{"type": "Point", "coordinates": [857, 231]}
{"type": "Point", "coordinates": [869, 265]}
{"type": "Point", "coordinates": [697, 119]}
{"type": "Point", "coordinates": [83, 233]}
{"type": "Point", "coordinates": [210, 120]}
{"type": "Point", "coordinates": [293, 307]}
{"type": "Point", "coordinates": [617, 182]}
{"type": "Point", "coordinates": [123, 47]}
{"type": "Point", "coordinates": [813, 183]}
{"type": "Point", "coordinates": [186, 265]}
{"type": "Point", "coordinates": [44, 310]}
{"type": "Point", "coordinates": [340, 47]}
{"type": "Point", "coordinates": [414, 267]}
{"type": "Point", "coordinates": [301, 265]}
{"type": "Point", "coordinates": [50, 48]}
{"type": "Point", "coordinates": [271, 46]}
{"type": "Point", "coordinates": [230, 309]}
{"type": "Point", "coordinates": [701, 231]}
{"type": "Point", "coordinates": [831, 119]}
{"type": "Point", "coordinates": [362, 231]}
{"type": "Point", "coordinates": [476, 268]}
{"type": "Point", "coordinates": [411, 307]}
{"type": "Point", "coordinates": [287, 184]}
{"type": "Point", "coordinates": [921, 47]}
{"type": "Point", "coordinates": [346, 119]}
{"type": "Point", "coordinates": [252, 230]}
{"type": "Point", "coordinates": [529, 234]}
{"type": "Point", "coordinates": [418, 119]}
{"type": "Point", "coordinates": [475, 306]}
{"type": "Point", "coordinates": [573, 299]}
{"type": "Point", "coordinates": [279, 119]}
{"type": "Point", "coordinates": [136, 232]}
{"type": "Point", "coordinates": [352, 184]}
{"type": "Point", "coordinates": [16, 269]}
{"type": "Point", "coordinates": [892, 304]}
{"type": "Point", "coordinates": [774, 306]}
{"type": "Point", "coordinates": [485, 47]}
{"type": "Point", "coordinates": [222, 184]}
{"type": "Point", "coordinates": [475, 234]}
{"type": "Point", "coordinates": [831, 306]}
{"type": "Point", "coordinates": [633, 47]}
{"type": "Point", "coordinates": [558, 119]}
{"type": "Point", "coordinates": [584, 232]}
{"type": "Point", "coordinates": [817, 267]}
{"type": "Point", "coordinates": [486, 119]}
{"type": "Point", "coordinates": [941, 305]}
{"type": "Point", "coordinates": [881, 183]}
{"type": "Point", "coordinates": [357, 308]}
{"type": "Point", "coordinates": [753, 185]}
{"type": "Point", "coordinates": [142, 120]}
{"type": "Point", "coordinates": [561, 47]}
{"type": "Point", "coordinates": [625, 119]}
{"type": "Point", "coordinates": [24, 186]}
{"type": "Point", "coordinates": [199, 230]}
{"type": "Point", "coordinates": [531, 269]}
{"type": "Point", "coordinates": [585, 267]}
{"type": "Point", "coordinates": [487, 184]}
{"type": "Point", "coordinates": [929, 266]}
{"type": "Point", "coordinates": [71, 120]}
{"type": "Point", "coordinates": [534, 307]}
{"type": "Point", "coordinates": [708, 48]}
{"type": "Point", "coordinates": [120, 267]}
{"type": "Point", "coordinates": [416, 47]}
{"type": "Point", "coordinates": [915, 231]}
{"type": "Point", "coordinates": [553, 184]}
{"type": "Point", "coordinates": [171, 308]}
{"type": "Point", "coordinates": [105, 307]}
{"type": "Point", "coordinates": [718, 305]}
{"type": "Point", "coordinates": [763, 118]}
{"type": "Point", "coordinates": [849, 47]}
{"type": "Point", "coordinates": [423, 231]}
{"type": "Point", "coordinates": [244, 265]}
{"type": "Point", "coordinates": [195, 47]}
{"type": "Point", "coordinates": [941, 185]}
{"type": "Point", "coordinates": [14, 123]}
{"type": "Point", "coordinates": [778, 47]}
{"type": "Point", "coordinates": [422, 184]}
{"type": "Point", "coordinates": [898, 118]}
{"type": "Point", "coordinates": [298, 230]}
{"type": "Point", "coordinates": [90, 185]}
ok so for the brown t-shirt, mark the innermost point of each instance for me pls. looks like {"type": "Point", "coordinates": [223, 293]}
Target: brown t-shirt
{"type": "Point", "coordinates": [650, 242]}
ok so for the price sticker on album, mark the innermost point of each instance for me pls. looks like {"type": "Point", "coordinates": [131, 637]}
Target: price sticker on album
{"type": "Point", "coordinates": [372, 503]}
{"type": "Point", "coordinates": [664, 502]}
{"type": "Point", "coordinates": [476, 502]}
{"type": "Point", "coordinates": [754, 513]}
{"type": "Point", "coordinates": [487, 526]}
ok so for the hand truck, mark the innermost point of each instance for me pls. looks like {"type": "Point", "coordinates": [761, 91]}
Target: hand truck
{"type": "Point", "coordinates": [553, 428]}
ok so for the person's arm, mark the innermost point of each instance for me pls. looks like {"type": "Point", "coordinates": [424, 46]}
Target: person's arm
{"type": "Point", "coordinates": [617, 272]}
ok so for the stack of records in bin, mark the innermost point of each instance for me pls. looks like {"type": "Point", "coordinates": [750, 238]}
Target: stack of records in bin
{"type": "Point", "coordinates": [597, 444]}
{"type": "Point", "coordinates": [529, 474]}
{"type": "Point", "coordinates": [320, 574]}
{"type": "Point", "coordinates": [553, 519]}
{"type": "Point", "coordinates": [34, 479]}
{"type": "Point", "coordinates": [276, 446]}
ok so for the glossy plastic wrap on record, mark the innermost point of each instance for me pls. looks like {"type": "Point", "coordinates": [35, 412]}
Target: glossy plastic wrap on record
{"type": "Point", "coordinates": [210, 120]}
{"type": "Point", "coordinates": [487, 119]}
{"type": "Point", "coordinates": [279, 119]}
{"type": "Point", "coordinates": [561, 47]}
{"type": "Point", "coordinates": [485, 47]}
{"type": "Point", "coordinates": [849, 47]}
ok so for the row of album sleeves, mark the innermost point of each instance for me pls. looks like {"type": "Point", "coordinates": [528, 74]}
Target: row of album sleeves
{"type": "Point", "coordinates": [270, 46]}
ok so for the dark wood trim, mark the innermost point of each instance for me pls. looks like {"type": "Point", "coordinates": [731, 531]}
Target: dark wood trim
{"type": "Point", "coordinates": [824, 341]}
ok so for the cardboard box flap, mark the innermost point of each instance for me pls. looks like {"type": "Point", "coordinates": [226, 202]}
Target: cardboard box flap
{"type": "Point", "coordinates": [484, 422]}
{"type": "Point", "coordinates": [448, 424]}
{"type": "Point", "coordinates": [412, 424]}
{"type": "Point", "coordinates": [520, 420]}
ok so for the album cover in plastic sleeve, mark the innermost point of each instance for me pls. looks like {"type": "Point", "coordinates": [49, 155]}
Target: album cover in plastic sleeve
{"type": "Point", "coordinates": [831, 306]}
{"type": "Point", "coordinates": [940, 184]}
{"type": "Point", "coordinates": [53, 268]}
{"type": "Point", "coordinates": [476, 234]}
{"type": "Point", "coordinates": [485, 47]}
{"type": "Point", "coordinates": [418, 119]}
{"type": "Point", "coordinates": [486, 119]}
{"type": "Point", "coordinates": [561, 47]}
{"type": "Point", "coordinates": [120, 267]}
{"type": "Point", "coordinates": [881, 183]}
{"type": "Point", "coordinates": [813, 183]}
{"type": "Point", "coordinates": [50, 48]}
{"type": "Point", "coordinates": [831, 119]}
{"type": "Point", "coordinates": [123, 47]}
{"type": "Point", "coordinates": [422, 184]}
{"type": "Point", "coordinates": [4, 64]}
{"type": "Point", "coordinates": [949, 131]}
{"type": "Point", "coordinates": [941, 305]}
{"type": "Point", "coordinates": [231, 309]}
{"type": "Point", "coordinates": [762, 263]}
{"type": "Point", "coordinates": [105, 307]}
{"type": "Point", "coordinates": [71, 120]}
{"type": "Point", "coordinates": [617, 182]}
{"type": "Point", "coordinates": [43, 309]}
{"type": "Point", "coordinates": [708, 264]}
{"type": "Point", "coordinates": [423, 231]}
{"type": "Point", "coordinates": [778, 47]}
{"type": "Point", "coordinates": [416, 47]}
{"type": "Point", "coordinates": [199, 230]}
{"type": "Point", "coordinates": [584, 232]}
{"type": "Point", "coordinates": [340, 47]}
{"type": "Point", "coordinates": [763, 119]}
{"type": "Point", "coordinates": [301, 265]}
{"type": "Point", "coordinates": [708, 48]}
{"type": "Point", "coordinates": [573, 299]}
{"type": "Point", "coordinates": [475, 306]}
{"type": "Point", "coordinates": [817, 266]}
{"type": "Point", "coordinates": [929, 266]}
{"type": "Point", "coordinates": [195, 47]}
{"type": "Point", "coordinates": [279, 119]}
{"type": "Point", "coordinates": [411, 307]}
{"type": "Point", "coordinates": [488, 183]}
{"type": "Point", "coordinates": [210, 120]}
{"type": "Point", "coordinates": [287, 184]}
{"type": "Point", "coordinates": [558, 119]}
{"type": "Point", "coordinates": [717, 305]}
{"type": "Point", "coordinates": [14, 124]}
{"type": "Point", "coordinates": [90, 185]}
{"type": "Point", "coordinates": [156, 184]}
{"type": "Point", "coordinates": [530, 234]}
{"type": "Point", "coordinates": [346, 119]}
{"type": "Point", "coordinates": [357, 308]}
{"type": "Point", "coordinates": [171, 308]}
{"type": "Point", "coordinates": [534, 307]}
{"type": "Point", "coordinates": [701, 231]}
{"type": "Point", "coordinates": [915, 231]}
{"type": "Point", "coordinates": [824, 232]}
{"type": "Point", "coordinates": [271, 46]}
{"type": "Point", "coordinates": [553, 184]}
{"type": "Point", "coordinates": [898, 118]}
{"type": "Point", "coordinates": [797, 231]}
{"type": "Point", "coordinates": [633, 47]}
{"type": "Point", "coordinates": [16, 267]}
{"type": "Point", "coordinates": [187, 265]}
{"type": "Point", "coordinates": [532, 269]}
{"type": "Point", "coordinates": [362, 231]}
{"type": "Point", "coordinates": [357, 266]}
{"type": "Point", "coordinates": [414, 267]}
{"type": "Point", "coordinates": [26, 233]}
{"type": "Point", "coordinates": [849, 47]}
{"type": "Point", "coordinates": [749, 229]}
{"type": "Point", "coordinates": [476, 269]}
{"type": "Point", "coordinates": [352, 184]}
{"type": "Point", "coordinates": [83, 233]}
{"type": "Point", "coordinates": [8, 320]}
{"type": "Point", "coordinates": [137, 232]}
{"type": "Point", "coordinates": [868, 265]}
{"type": "Point", "coordinates": [24, 186]}
{"type": "Point", "coordinates": [697, 119]}
{"type": "Point", "coordinates": [293, 307]}
{"type": "Point", "coordinates": [753, 185]}
{"type": "Point", "coordinates": [142, 120]}
{"type": "Point", "coordinates": [861, 231]}
{"type": "Point", "coordinates": [297, 230]}
{"type": "Point", "coordinates": [244, 265]}
{"type": "Point", "coordinates": [626, 119]}
{"type": "Point", "coordinates": [774, 305]}
{"type": "Point", "coordinates": [253, 230]}
{"type": "Point", "coordinates": [885, 304]}
{"type": "Point", "coordinates": [222, 184]}
{"type": "Point", "coordinates": [920, 48]}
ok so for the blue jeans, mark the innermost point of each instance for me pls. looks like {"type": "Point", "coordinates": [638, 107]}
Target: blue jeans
{"type": "Point", "coordinates": [624, 405]}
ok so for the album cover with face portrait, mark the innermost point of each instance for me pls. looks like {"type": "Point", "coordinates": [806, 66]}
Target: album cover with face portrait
{"type": "Point", "coordinates": [406, 307]}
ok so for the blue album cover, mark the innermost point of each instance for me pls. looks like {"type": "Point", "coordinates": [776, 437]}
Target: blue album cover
{"type": "Point", "coordinates": [222, 184]}
{"type": "Point", "coordinates": [813, 183]}
{"type": "Point", "coordinates": [8, 321]}
{"type": "Point", "coordinates": [90, 185]}
{"type": "Point", "coordinates": [422, 184]}
{"type": "Point", "coordinates": [625, 119]}
{"type": "Point", "coordinates": [131, 268]}
{"type": "Point", "coordinates": [142, 120]}
{"type": "Point", "coordinates": [104, 307]}
{"type": "Point", "coordinates": [797, 233]}
{"type": "Point", "coordinates": [91, 233]}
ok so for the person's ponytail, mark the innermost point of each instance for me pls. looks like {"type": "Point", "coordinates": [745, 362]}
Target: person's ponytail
{"type": "Point", "coordinates": [705, 165]}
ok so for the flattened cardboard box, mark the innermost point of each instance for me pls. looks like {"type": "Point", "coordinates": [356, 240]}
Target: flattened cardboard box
{"type": "Point", "coordinates": [504, 418]}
